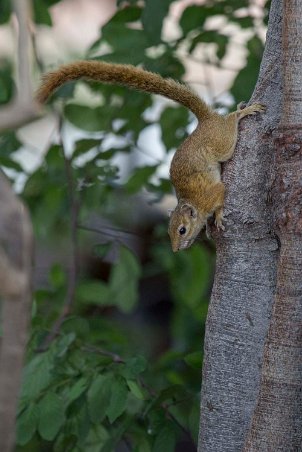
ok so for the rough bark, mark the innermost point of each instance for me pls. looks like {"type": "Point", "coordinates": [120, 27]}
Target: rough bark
{"type": "Point", "coordinates": [15, 296]}
{"type": "Point", "coordinates": [277, 419]}
{"type": "Point", "coordinates": [244, 285]}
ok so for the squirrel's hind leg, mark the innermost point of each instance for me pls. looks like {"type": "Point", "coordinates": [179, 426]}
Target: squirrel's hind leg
{"type": "Point", "coordinates": [231, 128]}
{"type": "Point", "coordinates": [250, 110]}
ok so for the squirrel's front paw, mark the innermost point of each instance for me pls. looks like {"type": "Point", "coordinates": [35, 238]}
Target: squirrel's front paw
{"type": "Point", "coordinates": [219, 218]}
{"type": "Point", "coordinates": [257, 108]}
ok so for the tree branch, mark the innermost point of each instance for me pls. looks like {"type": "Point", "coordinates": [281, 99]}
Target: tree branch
{"type": "Point", "coordinates": [245, 278]}
{"type": "Point", "coordinates": [15, 291]}
{"type": "Point", "coordinates": [73, 261]}
{"type": "Point", "coordinates": [23, 108]}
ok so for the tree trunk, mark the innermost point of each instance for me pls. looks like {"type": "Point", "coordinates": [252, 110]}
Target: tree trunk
{"type": "Point", "coordinates": [15, 293]}
{"type": "Point", "coordinates": [277, 421]}
{"type": "Point", "coordinates": [245, 279]}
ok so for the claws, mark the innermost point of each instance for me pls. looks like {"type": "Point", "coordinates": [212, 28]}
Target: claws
{"type": "Point", "coordinates": [219, 225]}
{"type": "Point", "coordinates": [254, 108]}
{"type": "Point", "coordinates": [219, 222]}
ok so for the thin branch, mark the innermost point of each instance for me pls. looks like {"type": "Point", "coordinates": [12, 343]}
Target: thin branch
{"type": "Point", "coordinates": [147, 154]}
{"type": "Point", "coordinates": [165, 407]}
{"type": "Point", "coordinates": [24, 44]}
{"type": "Point", "coordinates": [114, 356]}
{"type": "Point", "coordinates": [23, 108]}
{"type": "Point", "coordinates": [102, 230]}
{"type": "Point", "coordinates": [74, 212]}
{"type": "Point", "coordinates": [73, 260]}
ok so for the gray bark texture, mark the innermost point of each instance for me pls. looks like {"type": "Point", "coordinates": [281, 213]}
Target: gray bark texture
{"type": "Point", "coordinates": [15, 296]}
{"type": "Point", "coordinates": [246, 266]}
{"type": "Point", "coordinates": [277, 421]}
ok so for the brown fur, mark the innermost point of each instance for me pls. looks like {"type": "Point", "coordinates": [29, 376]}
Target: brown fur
{"type": "Point", "coordinates": [195, 168]}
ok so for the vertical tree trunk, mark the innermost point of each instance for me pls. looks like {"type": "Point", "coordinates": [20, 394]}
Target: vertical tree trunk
{"type": "Point", "coordinates": [277, 421]}
{"type": "Point", "coordinates": [245, 277]}
{"type": "Point", "coordinates": [15, 296]}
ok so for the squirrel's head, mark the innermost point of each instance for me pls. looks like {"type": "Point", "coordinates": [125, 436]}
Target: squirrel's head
{"type": "Point", "coordinates": [184, 226]}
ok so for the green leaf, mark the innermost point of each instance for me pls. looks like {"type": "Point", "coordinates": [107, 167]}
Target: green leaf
{"type": "Point", "coordinates": [54, 158]}
{"type": "Point", "coordinates": [37, 376]}
{"type": "Point", "coordinates": [5, 11]}
{"type": "Point", "coordinates": [82, 146]}
{"type": "Point", "coordinates": [95, 292]}
{"type": "Point", "coordinates": [41, 14]}
{"type": "Point", "coordinates": [124, 280]}
{"type": "Point", "coordinates": [231, 6]}
{"type": "Point", "coordinates": [27, 424]}
{"type": "Point", "coordinates": [77, 390]}
{"type": "Point", "coordinates": [127, 2]}
{"type": "Point", "coordinates": [11, 164]}
{"type": "Point", "coordinates": [153, 16]}
{"type": "Point", "coordinates": [116, 434]}
{"type": "Point", "coordinates": [134, 367]}
{"type": "Point", "coordinates": [193, 18]}
{"type": "Point", "coordinates": [78, 325]}
{"type": "Point", "coordinates": [121, 38]}
{"type": "Point", "coordinates": [211, 36]}
{"type": "Point", "coordinates": [92, 119]}
{"type": "Point", "coordinates": [121, 17]}
{"type": "Point", "coordinates": [127, 15]}
{"type": "Point", "coordinates": [60, 347]}
{"type": "Point", "coordinates": [173, 122]}
{"type": "Point", "coordinates": [9, 143]}
{"type": "Point", "coordinates": [99, 396]}
{"type": "Point", "coordinates": [139, 178]}
{"type": "Point", "coordinates": [194, 360]}
{"type": "Point", "coordinates": [193, 420]}
{"type": "Point", "coordinates": [118, 401]}
{"type": "Point", "coordinates": [101, 250]}
{"type": "Point", "coordinates": [244, 22]}
{"type": "Point", "coordinates": [81, 424]}
{"type": "Point", "coordinates": [51, 417]}
{"type": "Point", "coordinates": [6, 83]}
{"type": "Point", "coordinates": [122, 57]}
{"type": "Point", "coordinates": [266, 11]}
{"type": "Point", "coordinates": [57, 276]}
{"type": "Point", "coordinates": [167, 65]}
{"type": "Point", "coordinates": [222, 43]}
{"type": "Point", "coordinates": [65, 91]}
{"type": "Point", "coordinates": [165, 440]}
{"type": "Point", "coordinates": [170, 393]}
{"type": "Point", "coordinates": [136, 389]}
{"type": "Point", "coordinates": [190, 274]}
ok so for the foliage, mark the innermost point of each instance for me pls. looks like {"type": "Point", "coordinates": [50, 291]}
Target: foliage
{"type": "Point", "coordinates": [125, 365]}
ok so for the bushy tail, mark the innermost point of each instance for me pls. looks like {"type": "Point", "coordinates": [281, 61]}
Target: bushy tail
{"type": "Point", "coordinates": [126, 75]}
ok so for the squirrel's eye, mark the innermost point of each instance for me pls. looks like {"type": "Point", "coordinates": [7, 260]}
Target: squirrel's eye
{"type": "Point", "coordinates": [182, 230]}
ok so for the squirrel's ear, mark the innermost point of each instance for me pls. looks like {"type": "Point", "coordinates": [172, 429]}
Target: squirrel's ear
{"type": "Point", "coordinates": [189, 210]}
{"type": "Point", "coordinates": [170, 211]}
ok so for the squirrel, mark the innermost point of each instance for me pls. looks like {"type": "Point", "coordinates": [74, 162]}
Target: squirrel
{"type": "Point", "coordinates": [195, 168]}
